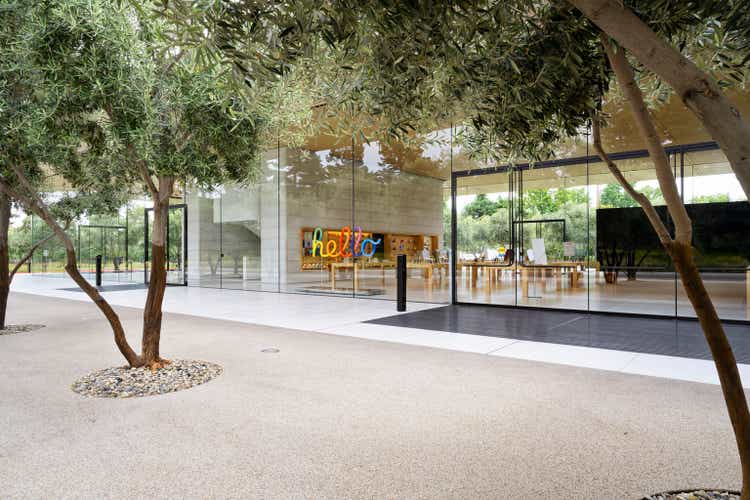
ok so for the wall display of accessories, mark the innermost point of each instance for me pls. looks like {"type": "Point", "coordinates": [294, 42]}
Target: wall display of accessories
{"type": "Point", "coordinates": [413, 246]}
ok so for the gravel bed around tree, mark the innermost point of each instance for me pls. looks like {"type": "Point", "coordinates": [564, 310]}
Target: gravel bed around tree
{"type": "Point", "coordinates": [126, 382]}
{"type": "Point", "coordinates": [696, 495]}
{"type": "Point", "coordinates": [13, 329]}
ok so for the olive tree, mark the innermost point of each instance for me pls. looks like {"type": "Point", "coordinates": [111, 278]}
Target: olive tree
{"type": "Point", "coordinates": [28, 143]}
{"type": "Point", "coordinates": [139, 116]}
{"type": "Point", "coordinates": [679, 247]}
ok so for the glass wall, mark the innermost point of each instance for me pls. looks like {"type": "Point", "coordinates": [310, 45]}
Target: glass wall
{"type": "Point", "coordinates": [331, 217]}
{"type": "Point", "coordinates": [400, 194]}
{"type": "Point", "coordinates": [577, 241]}
{"type": "Point", "coordinates": [232, 233]}
{"type": "Point", "coordinates": [316, 199]}
{"type": "Point", "coordinates": [117, 237]}
{"type": "Point", "coordinates": [204, 238]}
{"type": "Point", "coordinates": [629, 270]}
{"type": "Point", "coordinates": [486, 269]}
{"type": "Point", "coordinates": [49, 258]}
{"type": "Point", "coordinates": [718, 207]}
{"type": "Point", "coordinates": [553, 237]}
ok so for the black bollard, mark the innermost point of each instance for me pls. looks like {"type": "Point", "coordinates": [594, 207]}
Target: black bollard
{"type": "Point", "coordinates": [98, 270]}
{"type": "Point", "coordinates": [401, 283]}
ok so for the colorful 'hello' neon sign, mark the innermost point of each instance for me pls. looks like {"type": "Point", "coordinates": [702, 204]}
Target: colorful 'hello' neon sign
{"type": "Point", "coordinates": [349, 244]}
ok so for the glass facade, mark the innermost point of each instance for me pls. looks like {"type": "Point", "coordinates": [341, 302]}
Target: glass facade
{"type": "Point", "coordinates": [118, 238]}
{"type": "Point", "coordinates": [330, 219]}
{"type": "Point", "coordinates": [563, 234]}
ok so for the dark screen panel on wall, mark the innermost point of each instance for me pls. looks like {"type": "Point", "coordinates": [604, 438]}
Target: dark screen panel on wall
{"type": "Point", "coordinates": [626, 239]}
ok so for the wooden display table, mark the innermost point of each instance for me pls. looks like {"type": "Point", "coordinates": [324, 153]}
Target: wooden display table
{"type": "Point", "coordinates": [426, 268]}
{"type": "Point", "coordinates": [357, 267]}
{"type": "Point", "coordinates": [490, 269]}
{"type": "Point", "coordinates": [557, 268]}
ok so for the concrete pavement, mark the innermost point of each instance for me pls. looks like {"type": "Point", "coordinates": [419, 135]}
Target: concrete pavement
{"type": "Point", "coordinates": [340, 417]}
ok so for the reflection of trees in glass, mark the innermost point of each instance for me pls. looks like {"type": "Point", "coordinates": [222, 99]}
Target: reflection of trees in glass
{"type": "Point", "coordinates": [614, 196]}
{"type": "Point", "coordinates": [538, 202]}
{"type": "Point", "coordinates": [480, 206]}
{"type": "Point", "coordinates": [577, 230]}
{"type": "Point", "coordinates": [541, 202]}
{"type": "Point", "coordinates": [711, 198]}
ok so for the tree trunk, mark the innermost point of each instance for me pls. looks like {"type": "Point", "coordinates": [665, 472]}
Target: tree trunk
{"type": "Point", "coordinates": [680, 250]}
{"type": "Point", "coordinates": [698, 90]}
{"type": "Point", "coordinates": [33, 204]}
{"type": "Point", "coordinates": [152, 312]}
{"type": "Point", "coordinates": [71, 267]}
{"type": "Point", "coordinates": [721, 350]}
{"type": "Point", "coordinates": [4, 257]}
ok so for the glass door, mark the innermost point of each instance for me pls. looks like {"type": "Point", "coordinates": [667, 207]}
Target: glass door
{"type": "Point", "coordinates": [523, 237]}
{"type": "Point", "coordinates": [553, 237]}
{"type": "Point", "coordinates": [485, 249]}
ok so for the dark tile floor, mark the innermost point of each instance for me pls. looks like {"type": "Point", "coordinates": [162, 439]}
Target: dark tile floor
{"type": "Point", "coordinates": [666, 336]}
{"type": "Point", "coordinates": [111, 288]}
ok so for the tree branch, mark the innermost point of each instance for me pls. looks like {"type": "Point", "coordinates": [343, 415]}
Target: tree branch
{"type": "Point", "coordinates": [35, 205]}
{"type": "Point", "coordinates": [146, 176]}
{"type": "Point", "coordinates": [33, 249]}
{"type": "Point", "coordinates": [626, 79]}
{"type": "Point", "coordinates": [640, 198]}
{"type": "Point", "coordinates": [32, 199]}
{"type": "Point", "coordinates": [698, 90]}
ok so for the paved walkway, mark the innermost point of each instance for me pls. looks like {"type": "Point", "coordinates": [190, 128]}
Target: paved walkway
{"type": "Point", "coordinates": [339, 417]}
{"type": "Point", "coordinates": [354, 318]}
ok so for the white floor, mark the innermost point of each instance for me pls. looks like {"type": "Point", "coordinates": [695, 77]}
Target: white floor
{"type": "Point", "coordinates": [345, 316]}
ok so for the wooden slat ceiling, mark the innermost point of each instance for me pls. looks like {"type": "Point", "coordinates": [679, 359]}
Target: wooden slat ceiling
{"type": "Point", "coordinates": [674, 121]}
{"type": "Point", "coordinates": [676, 124]}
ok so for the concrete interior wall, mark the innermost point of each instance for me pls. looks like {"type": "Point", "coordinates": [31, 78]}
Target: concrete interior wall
{"type": "Point", "coordinates": [260, 226]}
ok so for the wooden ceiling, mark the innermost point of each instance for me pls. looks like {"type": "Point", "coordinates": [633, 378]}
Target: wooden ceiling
{"type": "Point", "coordinates": [676, 124]}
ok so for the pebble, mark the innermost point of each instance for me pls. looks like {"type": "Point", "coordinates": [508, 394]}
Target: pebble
{"type": "Point", "coordinates": [126, 382]}
{"type": "Point", "coordinates": [13, 329]}
{"type": "Point", "coordinates": [696, 495]}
